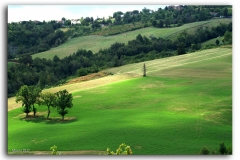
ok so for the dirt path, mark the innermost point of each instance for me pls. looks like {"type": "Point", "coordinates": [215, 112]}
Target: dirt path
{"type": "Point", "coordinates": [84, 152]}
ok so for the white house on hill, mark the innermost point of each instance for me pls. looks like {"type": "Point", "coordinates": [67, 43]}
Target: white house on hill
{"type": "Point", "coordinates": [75, 21]}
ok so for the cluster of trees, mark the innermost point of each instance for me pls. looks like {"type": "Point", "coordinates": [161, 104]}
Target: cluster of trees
{"type": "Point", "coordinates": [223, 150]}
{"type": "Point", "coordinates": [31, 95]}
{"type": "Point", "coordinates": [191, 42]}
{"type": "Point", "coordinates": [179, 15]}
{"type": "Point", "coordinates": [33, 37]}
{"type": "Point", "coordinates": [45, 72]}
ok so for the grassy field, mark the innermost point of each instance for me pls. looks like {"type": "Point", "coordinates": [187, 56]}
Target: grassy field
{"type": "Point", "coordinates": [94, 42]}
{"type": "Point", "coordinates": [184, 104]}
{"type": "Point", "coordinates": [212, 41]}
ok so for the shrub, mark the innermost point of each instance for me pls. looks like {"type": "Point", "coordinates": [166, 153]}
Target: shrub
{"type": "Point", "coordinates": [222, 148]}
{"type": "Point", "coordinates": [54, 150]}
{"type": "Point", "coordinates": [119, 151]}
{"type": "Point", "coordinates": [229, 150]}
{"type": "Point", "coordinates": [204, 151]}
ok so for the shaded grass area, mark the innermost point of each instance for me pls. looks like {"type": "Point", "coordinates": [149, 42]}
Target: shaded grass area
{"type": "Point", "coordinates": [95, 42]}
{"type": "Point", "coordinates": [173, 111]}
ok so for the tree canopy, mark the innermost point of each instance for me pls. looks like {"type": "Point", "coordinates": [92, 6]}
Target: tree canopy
{"type": "Point", "coordinates": [63, 101]}
{"type": "Point", "coordinates": [28, 96]}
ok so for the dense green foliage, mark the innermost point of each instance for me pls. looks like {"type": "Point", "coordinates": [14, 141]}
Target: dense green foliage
{"type": "Point", "coordinates": [44, 73]}
{"type": "Point", "coordinates": [63, 101]}
{"type": "Point", "coordinates": [28, 96]}
{"type": "Point", "coordinates": [34, 36]}
{"type": "Point", "coordinates": [48, 99]}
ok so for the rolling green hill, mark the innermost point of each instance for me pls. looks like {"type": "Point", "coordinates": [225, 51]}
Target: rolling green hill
{"type": "Point", "coordinates": [184, 104]}
{"type": "Point", "coordinates": [95, 43]}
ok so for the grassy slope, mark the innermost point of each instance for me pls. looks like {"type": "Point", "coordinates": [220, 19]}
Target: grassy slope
{"type": "Point", "coordinates": [184, 104]}
{"type": "Point", "coordinates": [212, 41]}
{"type": "Point", "coordinates": [94, 42]}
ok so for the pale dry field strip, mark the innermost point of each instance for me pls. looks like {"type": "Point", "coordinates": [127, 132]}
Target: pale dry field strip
{"type": "Point", "coordinates": [135, 70]}
{"type": "Point", "coordinates": [170, 62]}
{"type": "Point", "coordinates": [78, 87]}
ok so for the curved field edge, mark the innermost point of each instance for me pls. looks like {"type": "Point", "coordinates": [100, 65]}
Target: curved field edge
{"type": "Point", "coordinates": [95, 42]}
{"type": "Point", "coordinates": [171, 62]}
{"type": "Point", "coordinates": [75, 87]}
{"type": "Point", "coordinates": [135, 70]}
{"type": "Point", "coordinates": [171, 111]}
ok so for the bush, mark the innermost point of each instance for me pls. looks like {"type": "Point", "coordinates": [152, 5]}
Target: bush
{"type": "Point", "coordinates": [43, 47]}
{"type": "Point", "coordinates": [229, 150]}
{"type": "Point", "coordinates": [54, 150]}
{"type": "Point", "coordinates": [222, 149]}
{"type": "Point", "coordinates": [119, 151]}
{"type": "Point", "coordinates": [204, 151]}
{"type": "Point", "coordinates": [82, 72]}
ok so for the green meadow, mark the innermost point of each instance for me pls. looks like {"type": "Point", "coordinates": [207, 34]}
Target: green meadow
{"type": "Point", "coordinates": [212, 41]}
{"type": "Point", "coordinates": [95, 42]}
{"type": "Point", "coordinates": [183, 104]}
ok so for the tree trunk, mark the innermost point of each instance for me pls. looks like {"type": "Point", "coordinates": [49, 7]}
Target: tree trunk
{"type": "Point", "coordinates": [62, 118]}
{"type": "Point", "coordinates": [48, 113]}
{"type": "Point", "coordinates": [144, 70]}
{"type": "Point", "coordinates": [34, 111]}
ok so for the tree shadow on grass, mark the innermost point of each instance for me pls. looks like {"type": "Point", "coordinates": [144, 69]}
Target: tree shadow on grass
{"type": "Point", "coordinates": [31, 118]}
{"type": "Point", "coordinates": [42, 118]}
{"type": "Point", "coordinates": [60, 121]}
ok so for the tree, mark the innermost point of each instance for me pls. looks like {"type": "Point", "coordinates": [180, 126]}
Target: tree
{"type": "Point", "coordinates": [144, 70]}
{"type": "Point", "coordinates": [48, 99]}
{"type": "Point", "coordinates": [217, 42]}
{"type": "Point", "coordinates": [154, 23]}
{"type": "Point", "coordinates": [161, 23]}
{"type": "Point", "coordinates": [26, 59]}
{"type": "Point", "coordinates": [225, 12]}
{"type": "Point", "coordinates": [34, 97]}
{"type": "Point", "coordinates": [181, 48]}
{"type": "Point", "coordinates": [139, 38]}
{"type": "Point", "coordinates": [63, 19]}
{"type": "Point", "coordinates": [23, 96]}
{"type": "Point", "coordinates": [28, 95]}
{"type": "Point", "coordinates": [167, 22]}
{"type": "Point", "coordinates": [63, 101]}
{"type": "Point", "coordinates": [228, 37]}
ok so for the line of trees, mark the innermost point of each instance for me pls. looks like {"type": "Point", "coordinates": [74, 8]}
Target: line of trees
{"type": "Point", "coordinates": [33, 37]}
{"type": "Point", "coordinates": [30, 95]}
{"type": "Point", "coordinates": [45, 72]}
